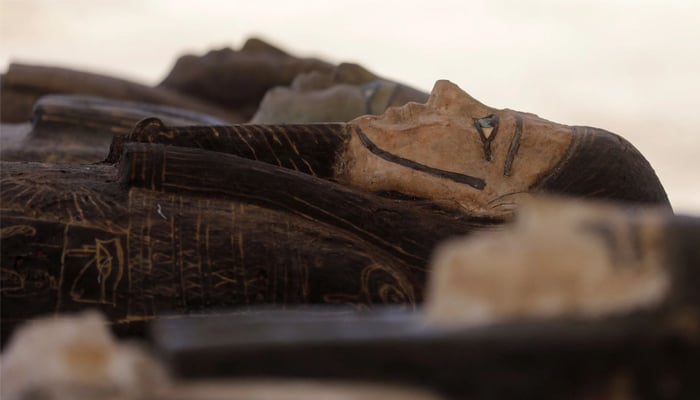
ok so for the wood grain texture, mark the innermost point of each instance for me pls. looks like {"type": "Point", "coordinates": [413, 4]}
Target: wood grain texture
{"type": "Point", "coordinates": [175, 230]}
{"type": "Point", "coordinates": [312, 148]}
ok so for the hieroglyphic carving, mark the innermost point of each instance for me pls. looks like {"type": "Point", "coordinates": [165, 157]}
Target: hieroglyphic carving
{"type": "Point", "coordinates": [61, 266]}
{"type": "Point", "coordinates": [30, 277]}
{"type": "Point", "coordinates": [183, 260]}
{"type": "Point", "coordinates": [161, 238]}
{"type": "Point", "coordinates": [87, 196]}
{"type": "Point", "coordinates": [103, 263]}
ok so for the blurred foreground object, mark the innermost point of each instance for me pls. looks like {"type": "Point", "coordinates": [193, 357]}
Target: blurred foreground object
{"type": "Point", "coordinates": [76, 358]}
{"type": "Point", "coordinates": [618, 321]}
{"type": "Point", "coordinates": [559, 258]}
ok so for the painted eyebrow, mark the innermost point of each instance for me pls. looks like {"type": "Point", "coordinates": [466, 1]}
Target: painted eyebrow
{"type": "Point", "coordinates": [476, 183]}
{"type": "Point", "coordinates": [514, 145]}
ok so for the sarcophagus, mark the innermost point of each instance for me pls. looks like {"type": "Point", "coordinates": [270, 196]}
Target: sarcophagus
{"type": "Point", "coordinates": [197, 219]}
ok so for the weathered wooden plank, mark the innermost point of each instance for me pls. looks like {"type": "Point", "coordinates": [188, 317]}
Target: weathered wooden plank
{"type": "Point", "coordinates": [644, 356]}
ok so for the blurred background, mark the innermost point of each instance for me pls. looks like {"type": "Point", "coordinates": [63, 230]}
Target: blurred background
{"type": "Point", "coordinates": [628, 66]}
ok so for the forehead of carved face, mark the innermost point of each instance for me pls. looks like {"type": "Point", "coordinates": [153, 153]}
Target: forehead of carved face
{"type": "Point", "coordinates": [453, 150]}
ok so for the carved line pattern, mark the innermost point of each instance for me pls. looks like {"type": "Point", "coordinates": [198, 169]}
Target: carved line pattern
{"type": "Point", "coordinates": [275, 144]}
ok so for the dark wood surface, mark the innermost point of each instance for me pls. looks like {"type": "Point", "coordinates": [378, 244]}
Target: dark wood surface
{"type": "Point", "coordinates": [311, 148]}
{"type": "Point", "coordinates": [173, 230]}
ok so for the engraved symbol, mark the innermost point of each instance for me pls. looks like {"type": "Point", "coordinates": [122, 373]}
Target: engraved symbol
{"type": "Point", "coordinates": [17, 230]}
{"type": "Point", "coordinates": [103, 262]}
{"type": "Point", "coordinates": [11, 280]}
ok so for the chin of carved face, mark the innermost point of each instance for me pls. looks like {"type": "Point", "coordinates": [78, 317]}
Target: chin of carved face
{"type": "Point", "coordinates": [461, 153]}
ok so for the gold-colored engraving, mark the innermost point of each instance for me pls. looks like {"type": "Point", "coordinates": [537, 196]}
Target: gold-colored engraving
{"type": "Point", "coordinates": [103, 269]}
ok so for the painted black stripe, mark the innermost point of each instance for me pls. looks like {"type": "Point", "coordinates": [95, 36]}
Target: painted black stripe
{"type": "Point", "coordinates": [476, 183]}
{"type": "Point", "coordinates": [514, 145]}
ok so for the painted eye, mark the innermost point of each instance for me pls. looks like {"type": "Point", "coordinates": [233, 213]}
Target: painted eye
{"type": "Point", "coordinates": [487, 131]}
{"type": "Point", "coordinates": [487, 122]}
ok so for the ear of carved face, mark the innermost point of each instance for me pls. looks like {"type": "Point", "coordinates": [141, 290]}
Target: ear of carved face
{"type": "Point", "coordinates": [453, 150]}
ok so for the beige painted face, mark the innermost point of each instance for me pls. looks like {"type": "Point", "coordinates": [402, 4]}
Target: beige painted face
{"type": "Point", "coordinates": [453, 150]}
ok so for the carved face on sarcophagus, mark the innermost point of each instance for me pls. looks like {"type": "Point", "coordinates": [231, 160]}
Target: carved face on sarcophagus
{"type": "Point", "coordinates": [463, 154]}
